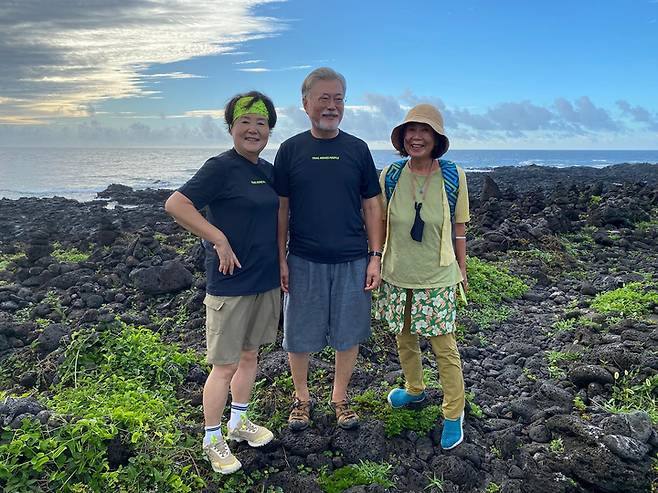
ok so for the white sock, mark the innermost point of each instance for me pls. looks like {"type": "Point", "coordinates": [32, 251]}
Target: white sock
{"type": "Point", "coordinates": [212, 432]}
{"type": "Point", "coordinates": [237, 410]}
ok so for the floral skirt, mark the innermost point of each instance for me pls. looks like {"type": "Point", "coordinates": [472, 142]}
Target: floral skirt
{"type": "Point", "coordinates": [433, 310]}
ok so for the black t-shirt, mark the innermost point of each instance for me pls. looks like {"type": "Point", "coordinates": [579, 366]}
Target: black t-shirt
{"type": "Point", "coordinates": [244, 206]}
{"type": "Point", "coordinates": [325, 180]}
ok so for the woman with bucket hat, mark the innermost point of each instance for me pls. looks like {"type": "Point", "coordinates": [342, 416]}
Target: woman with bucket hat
{"type": "Point", "coordinates": [424, 261]}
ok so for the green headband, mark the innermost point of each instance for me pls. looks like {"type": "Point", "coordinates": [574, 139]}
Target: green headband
{"type": "Point", "coordinates": [242, 108]}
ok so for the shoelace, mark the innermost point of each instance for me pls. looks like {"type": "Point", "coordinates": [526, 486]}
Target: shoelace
{"type": "Point", "coordinates": [221, 448]}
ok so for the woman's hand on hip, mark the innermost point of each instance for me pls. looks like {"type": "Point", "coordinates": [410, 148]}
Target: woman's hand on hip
{"type": "Point", "coordinates": [228, 261]}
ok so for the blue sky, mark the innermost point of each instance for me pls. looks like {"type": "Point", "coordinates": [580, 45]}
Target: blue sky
{"type": "Point", "coordinates": [506, 74]}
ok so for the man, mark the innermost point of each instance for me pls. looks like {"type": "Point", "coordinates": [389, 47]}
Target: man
{"type": "Point", "coordinates": [328, 188]}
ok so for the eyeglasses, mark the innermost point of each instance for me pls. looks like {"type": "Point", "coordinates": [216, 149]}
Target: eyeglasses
{"type": "Point", "coordinates": [337, 100]}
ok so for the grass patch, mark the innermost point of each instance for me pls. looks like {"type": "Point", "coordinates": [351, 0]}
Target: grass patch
{"type": "Point", "coordinates": [634, 300]}
{"type": "Point", "coordinates": [72, 255]}
{"type": "Point", "coordinates": [363, 473]}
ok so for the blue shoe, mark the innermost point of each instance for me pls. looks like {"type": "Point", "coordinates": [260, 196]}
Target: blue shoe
{"type": "Point", "coordinates": [453, 432]}
{"type": "Point", "coordinates": [399, 398]}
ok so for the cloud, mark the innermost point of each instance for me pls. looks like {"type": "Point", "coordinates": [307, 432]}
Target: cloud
{"type": "Point", "coordinates": [171, 75]}
{"type": "Point", "coordinates": [639, 114]}
{"type": "Point", "coordinates": [372, 120]}
{"type": "Point", "coordinates": [246, 62]}
{"type": "Point", "coordinates": [255, 69]}
{"type": "Point", "coordinates": [59, 56]}
{"type": "Point", "coordinates": [283, 69]}
{"type": "Point", "coordinates": [585, 114]}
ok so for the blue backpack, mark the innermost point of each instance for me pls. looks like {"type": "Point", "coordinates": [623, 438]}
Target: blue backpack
{"type": "Point", "coordinates": [450, 181]}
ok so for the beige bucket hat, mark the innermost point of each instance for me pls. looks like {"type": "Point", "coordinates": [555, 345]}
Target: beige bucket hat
{"type": "Point", "coordinates": [423, 113]}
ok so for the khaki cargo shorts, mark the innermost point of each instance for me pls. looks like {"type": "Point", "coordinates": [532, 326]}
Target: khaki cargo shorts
{"type": "Point", "coordinates": [237, 323]}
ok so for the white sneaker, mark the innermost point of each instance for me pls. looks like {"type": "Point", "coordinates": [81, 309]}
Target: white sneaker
{"type": "Point", "coordinates": [255, 435]}
{"type": "Point", "coordinates": [220, 456]}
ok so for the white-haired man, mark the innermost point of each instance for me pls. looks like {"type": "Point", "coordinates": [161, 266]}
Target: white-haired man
{"type": "Point", "coordinates": [328, 191]}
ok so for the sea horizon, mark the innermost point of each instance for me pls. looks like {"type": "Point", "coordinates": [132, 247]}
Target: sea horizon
{"type": "Point", "coordinates": [81, 172]}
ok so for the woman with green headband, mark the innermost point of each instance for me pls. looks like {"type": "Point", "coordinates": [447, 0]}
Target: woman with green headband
{"type": "Point", "coordinates": [242, 269]}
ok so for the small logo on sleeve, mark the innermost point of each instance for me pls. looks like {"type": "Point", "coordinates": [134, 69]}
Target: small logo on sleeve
{"type": "Point", "coordinates": [258, 182]}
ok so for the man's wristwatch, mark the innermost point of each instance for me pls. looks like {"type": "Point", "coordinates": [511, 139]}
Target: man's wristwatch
{"type": "Point", "coordinates": [374, 253]}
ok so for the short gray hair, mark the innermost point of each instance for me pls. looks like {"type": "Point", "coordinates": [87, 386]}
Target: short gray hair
{"type": "Point", "coordinates": [322, 73]}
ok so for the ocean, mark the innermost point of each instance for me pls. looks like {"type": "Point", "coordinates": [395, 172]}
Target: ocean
{"type": "Point", "coordinates": [81, 173]}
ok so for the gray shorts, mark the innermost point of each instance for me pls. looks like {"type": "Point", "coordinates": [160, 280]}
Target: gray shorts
{"type": "Point", "coordinates": [326, 306]}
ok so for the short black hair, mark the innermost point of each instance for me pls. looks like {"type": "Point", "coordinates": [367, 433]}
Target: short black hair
{"type": "Point", "coordinates": [439, 145]}
{"type": "Point", "coordinates": [256, 96]}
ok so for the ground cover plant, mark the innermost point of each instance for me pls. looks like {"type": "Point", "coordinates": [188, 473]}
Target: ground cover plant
{"type": "Point", "coordinates": [397, 420]}
{"type": "Point", "coordinates": [7, 258]}
{"type": "Point", "coordinates": [630, 394]}
{"type": "Point", "coordinates": [363, 473]}
{"type": "Point", "coordinates": [489, 287]}
{"type": "Point", "coordinates": [635, 300]}
{"type": "Point", "coordinates": [71, 254]}
{"type": "Point", "coordinates": [118, 387]}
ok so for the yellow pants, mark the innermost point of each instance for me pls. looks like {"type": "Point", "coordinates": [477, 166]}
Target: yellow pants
{"type": "Point", "coordinates": [447, 358]}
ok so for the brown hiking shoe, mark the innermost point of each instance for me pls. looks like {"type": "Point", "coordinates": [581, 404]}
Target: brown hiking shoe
{"type": "Point", "coordinates": [300, 416]}
{"type": "Point", "coordinates": [345, 416]}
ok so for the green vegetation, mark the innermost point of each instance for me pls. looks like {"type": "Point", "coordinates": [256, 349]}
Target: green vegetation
{"type": "Point", "coordinates": [529, 375]}
{"type": "Point", "coordinates": [489, 284]}
{"type": "Point", "coordinates": [182, 242]}
{"type": "Point", "coordinates": [364, 473]}
{"type": "Point", "coordinates": [488, 287]}
{"type": "Point", "coordinates": [118, 385]}
{"type": "Point", "coordinates": [68, 254]}
{"type": "Point", "coordinates": [434, 483]}
{"type": "Point", "coordinates": [270, 402]}
{"type": "Point", "coordinates": [557, 446]}
{"type": "Point", "coordinates": [579, 245]}
{"type": "Point", "coordinates": [475, 410]}
{"type": "Point", "coordinates": [397, 420]}
{"type": "Point", "coordinates": [554, 358]}
{"type": "Point", "coordinates": [543, 256]}
{"type": "Point", "coordinates": [634, 300]}
{"type": "Point", "coordinates": [492, 488]}
{"type": "Point", "coordinates": [241, 482]}
{"type": "Point", "coordinates": [630, 394]}
{"type": "Point", "coordinates": [595, 200]}
{"type": "Point", "coordinates": [570, 324]}
{"type": "Point", "coordinates": [431, 378]}
{"type": "Point", "coordinates": [7, 258]}
{"type": "Point", "coordinates": [579, 404]}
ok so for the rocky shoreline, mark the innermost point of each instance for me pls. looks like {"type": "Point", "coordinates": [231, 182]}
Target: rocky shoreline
{"type": "Point", "coordinates": [563, 390]}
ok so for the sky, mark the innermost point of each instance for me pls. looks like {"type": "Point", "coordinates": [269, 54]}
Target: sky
{"type": "Point", "coordinates": [506, 74]}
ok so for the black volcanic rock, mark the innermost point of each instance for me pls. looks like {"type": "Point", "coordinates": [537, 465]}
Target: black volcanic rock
{"type": "Point", "coordinates": [170, 277]}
